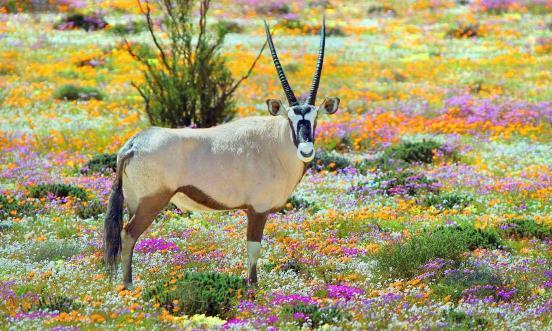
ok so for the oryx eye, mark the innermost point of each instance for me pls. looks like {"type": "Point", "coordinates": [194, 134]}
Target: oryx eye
{"type": "Point", "coordinates": [297, 111]}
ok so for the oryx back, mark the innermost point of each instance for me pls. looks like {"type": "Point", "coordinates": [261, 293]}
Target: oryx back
{"type": "Point", "coordinates": [240, 164]}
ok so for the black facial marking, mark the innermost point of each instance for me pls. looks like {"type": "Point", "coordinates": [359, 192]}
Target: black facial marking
{"type": "Point", "coordinates": [301, 110]}
{"type": "Point", "coordinates": [304, 131]}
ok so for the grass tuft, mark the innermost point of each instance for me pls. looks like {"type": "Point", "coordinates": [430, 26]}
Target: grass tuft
{"type": "Point", "coordinates": [212, 294]}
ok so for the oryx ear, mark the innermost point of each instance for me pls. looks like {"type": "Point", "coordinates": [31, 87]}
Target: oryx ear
{"type": "Point", "coordinates": [329, 106]}
{"type": "Point", "coordinates": [275, 107]}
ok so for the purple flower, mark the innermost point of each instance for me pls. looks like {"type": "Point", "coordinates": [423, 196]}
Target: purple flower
{"type": "Point", "coordinates": [299, 316]}
{"type": "Point", "coordinates": [505, 294]}
{"type": "Point", "coordinates": [152, 245]}
{"type": "Point", "coordinates": [343, 292]}
{"type": "Point", "coordinates": [291, 299]}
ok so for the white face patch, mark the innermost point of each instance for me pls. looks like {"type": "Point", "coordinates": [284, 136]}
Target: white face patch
{"type": "Point", "coordinates": [304, 140]}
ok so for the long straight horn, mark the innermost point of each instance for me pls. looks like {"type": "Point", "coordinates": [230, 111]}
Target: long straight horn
{"type": "Point", "coordinates": [319, 63]}
{"type": "Point", "coordinates": [283, 80]}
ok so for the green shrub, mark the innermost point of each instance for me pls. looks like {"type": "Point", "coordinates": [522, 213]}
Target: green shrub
{"type": "Point", "coordinates": [450, 200]}
{"type": "Point", "coordinates": [90, 209]}
{"type": "Point", "coordinates": [411, 152]}
{"type": "Point", "coordinates": [59, 303]}
{"type": "Point", "coordinates": [212, 294]}
{"type": "Point", "coordinates": [229, 27]}
{"type": "Point", "coordinates": [54, 251]}
{"type": "Point", "coordinates": [330, 161]}
{"type": "Point", "coordinates": [80, 21]}
{"type": "Point", "coordinates": [405, 259]}
{"type": "Point", "coordinates": [526, 228]}
{"type": "Point", "coordinates": [59, 191]}
{"type": "Point", "coordinates": [464, 31]}
{"type": "Point", "coordinates": [382, 10]}
{"type": "Point", "coordinates": [73, 92]}
{"type": "Point", "coordinates": [474, 238]}
{"type": "Point", "coordinates": [402, 155]}
{"type": "Point", "coordinates": [188, 81]}
{"type": "Point", "coordinates": [291, 24]}
{"type": "Point", "coordinates": [295, 266]}
{"type": "Point", "coordinates": [296, 202]}
{"type": "Point", "coordinates": [312, 314]}
{"type": "Point", "coordinates": [458, 320]}
{"type": "Point", "coordinates": [13, 207]}
{"type": "Point", "coordinates": [123, 29]}
{"type": "Point", "coordinates": [403, 182]}
{"type": "Point", "coordinates": [101, 163]}
{"type": "Point", "coordinates": [455, 282]}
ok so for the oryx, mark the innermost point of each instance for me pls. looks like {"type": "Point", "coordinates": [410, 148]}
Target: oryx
{"type": "Point", "coordinates": [253, 163]}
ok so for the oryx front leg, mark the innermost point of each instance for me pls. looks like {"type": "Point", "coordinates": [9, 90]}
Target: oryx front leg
{"type": "Point", "coordinates": [255, 226]}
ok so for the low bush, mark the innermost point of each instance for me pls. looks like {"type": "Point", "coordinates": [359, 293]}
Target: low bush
{"type": "Point", "coordinates": [90, 62]}
{"type": "Point", "coordinates": [403, 182]}
{"type": "Point", "coordinates": [54, 251]}
{"type": "Point", "coordinates": [458, 320]}
{"type": "Point", "coordinates": [474, 238]}
{"type": "Point", "coordinates": [73, 92]}
{"type": "Point", "coordinates": [13, 207]}
{"type": "Point", "coordinates": [296, 24]}
{"type": "Point", "coordinates": [80, 21]}
{"type": "Point", "coordinates": [449, 243]}
{"type": "Point", "coordinates": [404, 154]}
{"type": "Point", "coordinates": [525, 228]}
{"type": "Point", "coordinates": [229, 27]}
{"type": "Point", "coordinates": [413, 152]}
{"type": "Point", "coordinates": [55, 302]}
{"type": "Point", "coordinates": [130, 27]}
{"type": "Point", "coordinates": [312, 315]}
{"type": "Point", "coordinates": [101, 163]}
{"type": "Point", "coordinates": [295, 266]}
{"type": "Point", "coordinates": [330, 161]}
{"type": "Point", "coordinates": [382, 10]}
{"type": "Point", "coordinates": [464, 31]}
{"type": "Point", "coordinates": [90, 209]}
{"type": "Point", "coordinates": [267, 8]}
{"type": "Point", "coordinates": [58, 191]}
{"type": "Point", "coordinates": [212, 294]}
{"type": "Point", "coordinates": [450, 200]}
{"type": "Point", "coordinates": [296, 202]}
{"type": "Point", "coordinates": [405, 259]}
{"type": "Point", "coordinates": [38, 6]}
{"type": "Point", "coordinates": [291, 24]}
{"type": "Point", "coordinates": [480, 282]}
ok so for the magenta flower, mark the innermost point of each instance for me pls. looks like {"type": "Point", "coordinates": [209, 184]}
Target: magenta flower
{"type": "Point", "coordinates": [343, 292]}
{"type": "Point", "coordinates": [293, 299]}
{"type": "Point", "coordinates": [153, 245]}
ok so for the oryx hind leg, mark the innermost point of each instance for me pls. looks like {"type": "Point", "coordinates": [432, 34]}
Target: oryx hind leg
{"type": "Point", "coordinates": [145, 213]}
{"type": "Point", "coordinates": [255, 226]}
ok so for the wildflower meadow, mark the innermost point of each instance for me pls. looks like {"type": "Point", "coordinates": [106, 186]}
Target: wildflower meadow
{"type": "Point", "coordinates": [428, 204]}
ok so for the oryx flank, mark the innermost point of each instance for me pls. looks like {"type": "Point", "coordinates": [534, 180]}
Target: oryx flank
{"type": "Point", "coordinates": [252, 163]}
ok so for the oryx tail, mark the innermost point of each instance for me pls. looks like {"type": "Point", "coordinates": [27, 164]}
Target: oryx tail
{"type": "Point", "coordinates": [113, 222]}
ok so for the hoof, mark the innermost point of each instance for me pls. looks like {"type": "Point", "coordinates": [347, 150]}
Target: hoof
{"type": "Point", "coordinates": [128, 286]}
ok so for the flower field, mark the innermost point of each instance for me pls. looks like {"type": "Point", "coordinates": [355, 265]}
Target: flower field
{"type": "Point", "coordinates": [429, 205]}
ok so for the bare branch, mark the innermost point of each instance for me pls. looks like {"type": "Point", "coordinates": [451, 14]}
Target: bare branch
{"type": "Point", "coordinates": [204, 7]}
{"type": "Point", "coordinates": [150, 25]}
{"type": "Point", "coordinates": [146, 100]}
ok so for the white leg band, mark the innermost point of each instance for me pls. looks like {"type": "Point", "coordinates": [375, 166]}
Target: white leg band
{"type": "Point", "coordinates": [253, 253]}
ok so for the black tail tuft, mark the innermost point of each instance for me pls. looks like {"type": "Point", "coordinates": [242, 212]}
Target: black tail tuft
{"type": "Point", "coordinates": [113, 224]}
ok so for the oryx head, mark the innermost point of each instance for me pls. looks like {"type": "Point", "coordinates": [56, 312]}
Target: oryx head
{"type": "Point", "coordinates": [302, 117]}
